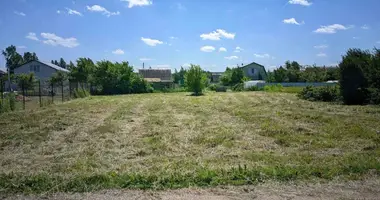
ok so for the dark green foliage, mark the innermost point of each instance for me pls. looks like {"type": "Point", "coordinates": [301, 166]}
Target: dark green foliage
{"type": "Point", "coordinates": [58, 78]}
{"type": "Point", "coordinates": [8, 103]}
{"type": "Point", "coordinates": [325, 93]}
{"type": "Point", "coordinates": [238, 87]}
{"type": "Point", "coordinates": [212, 87]}
{"type": "Point", "coordinates": [293, 73]}
{"type": "Point", "coordinates": [29, 57]}
{"type": "Point", "coordinates": [221, 88]}
{"type": "Point", "coordinates": [195, 80]}
{"type": "Point", "coordinates": [179, 77]}
{"type": "Point", "coordinates": [26, 81]}
{"type": "Point", "coordinates": [62, 63]}
{"type": "Point", "coordinates": [13, 59]}
{"type": "Point", "coordinates": [81, 93]}
{"type": "Point", "coordinates": [253, 88]}
{"type": "Point", "coordinates": [232, 76]}
{"type": "Point", "coordinates": [116, 78]}
{"type": "Point", "coordinates": [81, 73]}
{"type": "Point", "coordinates": [360, 76]}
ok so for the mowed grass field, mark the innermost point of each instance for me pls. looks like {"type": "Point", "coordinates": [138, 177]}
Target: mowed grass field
{"type": "Point", "coordinates": [175, 140]}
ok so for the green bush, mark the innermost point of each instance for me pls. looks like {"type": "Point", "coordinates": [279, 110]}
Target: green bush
{"type": "Point", "coordinates": [325, 93]}
{"type": "Point", "coordinates": [273, 88]}
{"type": "Point", "coordinates": [195, 80]}
{"type": "Point", "coordinates": [212, 87]}
{"type": "Point", "coordinates": [8, 103]}
{"type": "Point", "coordinates": [81, 93]}
{"type": "Point", "coordinates": [253, 88]}
{"type": "Point", "coordinates": [238, 87]}
{"type": "Point", "coordinates": [221, 88]}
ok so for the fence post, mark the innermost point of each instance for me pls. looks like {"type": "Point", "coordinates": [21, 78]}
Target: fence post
{"type": "Point", "coordinates": [23, 96]}
{"type": "Point", "coordinates": [62, 90]}
{"type": "Point", "coordinates": [52, 93]}
{"type": "Point", "coordinates": [39, 92]}
{"type": "Point", "coordinates": [2, 94]}
{"type": "Point", "coordinates": [70, 90]}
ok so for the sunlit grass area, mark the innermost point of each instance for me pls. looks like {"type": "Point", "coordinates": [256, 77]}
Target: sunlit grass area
{"type": "Point", "coordinates": [177, 140]}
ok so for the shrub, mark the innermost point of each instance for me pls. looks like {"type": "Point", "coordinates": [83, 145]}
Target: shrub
{"type": "Point", "coordinates": [81, 93]}
{"type": "Point", "coordinates": [325, 93]}
{"type": "Point", "coordinates": [253, 88]}
{"type": "Point", "coordinates": [221, 88]}
{"type": "Point", "coordinates": [212, 87]}
{"type": "Point", "coordinates": [273, 88]}
{"type": "Point", "coordinates": [195, 80]}
{"type": "Point", "coordinates": [8, 103]}
{"type": "Point", "coordinates": [238, 87]}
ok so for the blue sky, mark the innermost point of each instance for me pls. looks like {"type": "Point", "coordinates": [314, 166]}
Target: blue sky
{"type": "Point", "coordinates": [174, 33]}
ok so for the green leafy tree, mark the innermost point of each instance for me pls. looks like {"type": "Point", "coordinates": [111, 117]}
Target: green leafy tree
{"type": "Point", "coordinates": [70, 66]}
{"type": "Point", "coordinates": [62, 63]}
{"type": "Point", "coordinates": [354, 74]}
{"type": "Point", "coordinates": [28, 56]}
{"type": "Point", "coordinates": [26, 81]}
{"type": "Point", "coordinates": [195, 79]}
{"type": "Point", "coordinates": [82, 72]}
{"type": "Point", "coordinates": [13, 59]}
{"type": "Point", "coordinates": [58, 78]}
{"type": "Point", "coordinates": [56, 62]}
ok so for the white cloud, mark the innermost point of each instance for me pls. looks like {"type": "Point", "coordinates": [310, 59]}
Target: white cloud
{"type": "Point", "coordinates": [186, 65]}
{"type": "Point", "coordinates": [217, 35]}
{"type": "Point", "coordinates": [321, 55]}
{"type": "Point", "coordinates": [54, 40]}
{"type": "Point", "coordinates": [100, 9]}
{"type": "Point", "coordinates": [262, 55]}
{"type": "Point", "coordinates": [132, 3]}
{"type": "Point", "coordinates": [19, 13]}
{"type": "Point", "coordinates": [58, 12]}
{"type": "Point", "coordinates": [118, 52]}
{"type": "Point", "coordinates": [145, 59]}
{"type": "Point", "coordinates": [181, 7]}
{"type": "Point", "coordinates": [173, 38]}
{"type": "Point", "coordinates": [330, 29]}
{"type": "Point", "coordinates": [151, 42]}
{"type": "Point", "coordinates": [231, 57]}
{"type": "Point", "coordinates": [73, 12]}
{"type": "Point", "coordinates": [32, 36]}
{"type": "Point", "coordinates": [222, 49]}
{"type": "Point", "coordinates": [292, 21]}
{"type": "Point", "coordinates": [322, 46]}
{"type": "Point", "coordinates": [21, 47]}
{"type": "Point", "coordinates": [300, 2]}
{"type": "Point", "coordinates": [207, 48]}
{"type": "Point", "coordinates": [365, 27]}
{"type": "Point", "coordinates": [162, 66]}
{"type": "Point", "coordinates": [238, 49]}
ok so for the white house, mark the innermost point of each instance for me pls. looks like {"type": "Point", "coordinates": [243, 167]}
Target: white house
{"type": "Point", "coordinates": [42, 70]}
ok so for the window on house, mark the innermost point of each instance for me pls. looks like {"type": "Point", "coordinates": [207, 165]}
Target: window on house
{"type": "Point", "coordinates": [253, 71]}
{"type": "Point", "coordinates": [34, 68]}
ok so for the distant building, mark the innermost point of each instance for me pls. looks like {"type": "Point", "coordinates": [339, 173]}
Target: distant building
{"type": "Point", "coordinates": [215, 77]}
{"type": "Point", "coordinates": [42, 70]}
{"type": "Point", "coordinates": [2, 72]}
{"type": "Point", "coordinates": [156, 75]}
{"type": "Point", "coordinates": [254, 71]}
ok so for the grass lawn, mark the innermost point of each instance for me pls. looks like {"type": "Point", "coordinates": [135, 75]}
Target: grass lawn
{"type": "Point", "coordinates": [175, 140]}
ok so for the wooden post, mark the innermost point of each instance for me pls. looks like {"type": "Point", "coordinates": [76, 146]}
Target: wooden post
{"type": "Point", "coordinates": [69, 89]}
{"type": "Point", "coordinates": [39, 92]}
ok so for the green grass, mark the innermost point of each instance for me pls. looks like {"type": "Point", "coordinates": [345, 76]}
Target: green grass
{"type": "Point", "coordinates": [291, 89]}
{"type": "Point", "coordinates": [173, 140]}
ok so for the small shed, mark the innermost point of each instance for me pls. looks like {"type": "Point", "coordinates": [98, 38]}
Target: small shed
{"type": "Point", "coordinates": [215, 77]}
{"type": "Point", "coordinates": [158, 78]}
{"type": "Point", "coordinates": [254, 71]}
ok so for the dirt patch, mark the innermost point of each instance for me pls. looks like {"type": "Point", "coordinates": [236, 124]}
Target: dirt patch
{"type": "Point", "coordinates": [366, 189]}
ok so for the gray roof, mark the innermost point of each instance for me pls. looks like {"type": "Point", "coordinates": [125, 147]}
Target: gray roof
{"type": "Point", "coordinates": [56, 67]}
{"type": "Point", "coordinates": [53, 66]}
{"type": "Point", "coordinates": [2, 71]}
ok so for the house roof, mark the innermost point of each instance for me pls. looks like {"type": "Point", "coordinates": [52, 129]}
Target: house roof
{"type": "Point", "coordinates": [2, 71]}
{"type": "Point", "coordinates": [56, 67]}
{"type": "Point", "coordinates": [216, 73]}
{"type": "Point", "coordinates": [257, 65]}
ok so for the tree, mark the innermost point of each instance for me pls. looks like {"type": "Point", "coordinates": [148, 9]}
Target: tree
{"type": "Point", "coordinates": [83, 71]}
{"type": "Point", "coordinates": [62, 63]}
{"type": "Point", "coordinates": [354, 74]}
{"type": "Point", "coordinates": [26, 81]}
{"type": "Point", "coordinates": [280, 75]}
{"type": "Point", "coordinates": [70, 66]}
{"type": "Point", "coordinates": [56, 62]}
{"type": "Point", "coordinates": [58, 78]}
{"type": "Point", "coordinates": [195, 79]}
{"type": "Point", "coordinates": [237, 76]}
{"type": "Point", "coordinates": [12, 58]}
{"type": "Point", "coordinates": [30, 57]}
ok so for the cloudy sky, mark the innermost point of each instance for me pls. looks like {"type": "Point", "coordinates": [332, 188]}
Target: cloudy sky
{"type": "Point", "coordinates": [174, 33]}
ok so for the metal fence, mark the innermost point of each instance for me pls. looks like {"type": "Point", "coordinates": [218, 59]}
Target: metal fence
{"type": "Point", "coordinates": [41, 94]}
